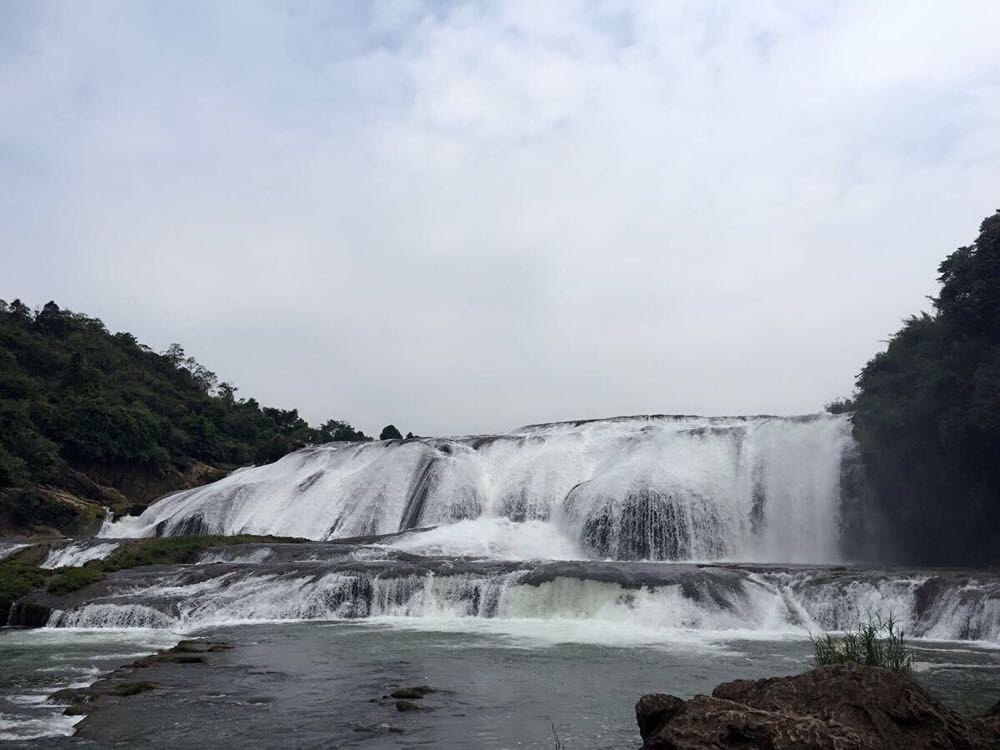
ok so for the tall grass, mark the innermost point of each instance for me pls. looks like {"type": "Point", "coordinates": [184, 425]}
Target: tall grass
{"type": "Point", "coordinates": [876, 643]}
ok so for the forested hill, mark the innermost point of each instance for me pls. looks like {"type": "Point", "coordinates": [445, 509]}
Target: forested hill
{"type": "Point", "coordinates": [927, 417]}
{"type": "Point", "coordinates": [90, 418]}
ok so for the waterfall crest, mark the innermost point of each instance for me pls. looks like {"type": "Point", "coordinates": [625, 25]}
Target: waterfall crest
{"type": "Point", "coordinates": [656, 487]}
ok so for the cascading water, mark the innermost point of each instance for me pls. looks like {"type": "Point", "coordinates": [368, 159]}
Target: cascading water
{"type": "Point", "coordinates": [77, 554]}
{"type": "Point", "coordinates": [659, 488]}
{"type": "Point", "coordinates": [8, 548]}
{"type": "Point", "coordinates": [675, 533]}
{"type": "Point", "coordinates": [345, 582]}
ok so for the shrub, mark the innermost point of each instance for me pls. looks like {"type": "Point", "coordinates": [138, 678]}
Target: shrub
{"type": "Point", "coordinates": [876, 643]}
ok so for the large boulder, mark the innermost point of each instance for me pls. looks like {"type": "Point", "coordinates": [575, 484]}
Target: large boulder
{"type": "Point", "coordinates": [846, 707]}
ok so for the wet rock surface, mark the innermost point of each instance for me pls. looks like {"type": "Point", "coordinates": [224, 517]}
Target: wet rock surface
{"type": "Point", "coordinates": [126, 681]}
{"type": "Point", "coordinates": [844, 707]}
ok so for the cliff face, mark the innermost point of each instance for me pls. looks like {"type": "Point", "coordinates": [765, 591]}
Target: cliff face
{"type": "Point", "coordinates": [840, 708]}
{"type": "Point", "coordinates": [75, 503]}
{"type": "Point", "coordinates": [138, 486]}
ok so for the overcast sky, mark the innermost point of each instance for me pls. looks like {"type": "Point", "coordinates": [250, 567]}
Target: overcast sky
{"type": "Point", "coordinates": [467, 217]}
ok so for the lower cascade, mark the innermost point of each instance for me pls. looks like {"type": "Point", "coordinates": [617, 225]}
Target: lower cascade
{"type": "Point", "coordinates": [639, 601]}
{"type": "Point", "coordinates": [763, 489]}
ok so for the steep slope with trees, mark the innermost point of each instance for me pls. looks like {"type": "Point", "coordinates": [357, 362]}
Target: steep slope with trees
{"type": "Point", "coordinates": [927, 416]}
{"type": "Point", "coordinates": [90, 418]}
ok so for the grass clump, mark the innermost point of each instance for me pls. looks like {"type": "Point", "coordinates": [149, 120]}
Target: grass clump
{"type": "Point", "coordinates": [876, 643]}
{"type": "Point", "coordinates": [73, 579]}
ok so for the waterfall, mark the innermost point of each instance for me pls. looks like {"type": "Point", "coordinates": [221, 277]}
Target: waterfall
{"type": "Point", "coordinates": [657, 488]}
{"type": "Point", "coordinates": [76, 554]}
{"type": "Point", "coordinates": [615, 599]}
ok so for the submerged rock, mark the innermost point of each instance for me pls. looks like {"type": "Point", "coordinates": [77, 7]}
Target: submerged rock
{"type": "Point", "coordinates": [412, 693]}
{"type": "Point", "coordinates": [80, 701]}
{"type": "Point", "coordinates": [845, 707]}
{"type": "Point", "coordinates": [121, 683]}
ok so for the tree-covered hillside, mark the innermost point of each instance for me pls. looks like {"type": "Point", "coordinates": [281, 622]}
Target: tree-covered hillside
{"type": "Point", "coordinates": [927, 416]}
{"type": "Point", "coordinates": [91, 418]}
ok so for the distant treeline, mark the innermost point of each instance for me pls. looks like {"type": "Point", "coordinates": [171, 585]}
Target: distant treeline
{"type": "Point", "coordinates": [927, 416]}
{"type": "Point", "coordinates": [74, 396]}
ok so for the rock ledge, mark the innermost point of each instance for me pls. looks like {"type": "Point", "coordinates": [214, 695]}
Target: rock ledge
{"type": "Point", "coordinates": [845, 707]}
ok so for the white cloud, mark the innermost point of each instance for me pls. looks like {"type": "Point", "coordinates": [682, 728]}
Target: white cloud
{"type": "Point", "coordinates": [468, 217]}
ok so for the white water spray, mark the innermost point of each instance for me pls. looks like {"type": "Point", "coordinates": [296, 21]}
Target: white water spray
{"type": "Point", "coordinates": [661, 600]}
{"type": "Point", "coordinates": [678, 488]}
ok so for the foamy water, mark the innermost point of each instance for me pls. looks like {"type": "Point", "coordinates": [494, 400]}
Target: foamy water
{"type": "Point", "coordinates": [492, 538]}
{"type": "Point", "coordinates": [678, 488]}
{"type": "Point", "coordinates": [34, 664]}
{"type": "Point", "coordinates": [80, 553]}
{"type": "Point", "coordinates": [660, 601]}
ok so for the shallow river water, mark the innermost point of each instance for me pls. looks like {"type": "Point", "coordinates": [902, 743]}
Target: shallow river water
{"type": "Point", "coordinates": [320, 684]}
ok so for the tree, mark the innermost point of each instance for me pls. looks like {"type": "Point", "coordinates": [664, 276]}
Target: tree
{"type": "Point", "coordinates": [20, 312]}
{"type": "Point", "coordinates": [52, 318]}
{"type": "Point", "coordinates": [227, 392]}
{"type": "Point", "coordinates": [927, 415]}
{"type": "Point", "coordinates": [334, 430]}
{"type": "Point", "coordinates": [840, 406]}
{"type": "Point", "coordinates": [174, 354]}
{"type": "Point", "coordinates": [78, 403]}
{"type": "Point", "coordinates": [389, 432]}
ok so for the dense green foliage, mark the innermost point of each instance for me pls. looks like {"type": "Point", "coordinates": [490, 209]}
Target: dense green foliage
{"type": "Point", "coordinates": [74, 396]}
{"type": "Point", "coordinates": [927, 416]}
{"type": "Point", "coordinates": [876, 643]}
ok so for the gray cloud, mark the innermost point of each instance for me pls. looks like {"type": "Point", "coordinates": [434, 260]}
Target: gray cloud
{"type": "Point", "coordinates": [469, 217]}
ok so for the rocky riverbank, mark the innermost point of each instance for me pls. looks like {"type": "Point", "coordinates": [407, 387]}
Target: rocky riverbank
{"type": "Point", "coordinates": [846, 707]}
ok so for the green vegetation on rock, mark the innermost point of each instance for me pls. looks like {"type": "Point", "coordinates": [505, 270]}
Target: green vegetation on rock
{"type": "Point", "coordinates": [876, 643]}
{"type": "Point", "coordinates": [73, 579]}
{"type": "Point", "coordinates": [19, 575]}
{"type": "Point", "coordinates": [174, 550]}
